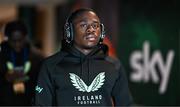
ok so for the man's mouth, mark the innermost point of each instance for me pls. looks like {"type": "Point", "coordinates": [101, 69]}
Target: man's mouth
{"type": "Point", "coordinates": [90, 37]}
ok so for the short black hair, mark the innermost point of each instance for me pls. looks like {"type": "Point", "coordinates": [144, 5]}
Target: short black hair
{"type": "Point", "coordinates": [77, 12]}
{"type": "Point", "coordinates": [16, 25]}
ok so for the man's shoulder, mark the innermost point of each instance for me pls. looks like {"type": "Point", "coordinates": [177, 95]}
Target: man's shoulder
{"type": "Point", "coordinates": [55, 58]}
{"type": "Point", "coordinates": [4, 47]}
{"type": "Point", "coordinates": [115, 61]}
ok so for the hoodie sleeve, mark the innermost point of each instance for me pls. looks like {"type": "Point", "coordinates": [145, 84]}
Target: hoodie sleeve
{"type": "Point", "coordinates": [44, 93]}
{"type": "Point", "coordinates": [121, 94]}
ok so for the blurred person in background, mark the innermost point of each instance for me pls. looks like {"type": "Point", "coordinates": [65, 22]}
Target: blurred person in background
{"type": "Point", "coordinates": [19, 66]}
{"type": "Point", "coordinates": [82, 73]}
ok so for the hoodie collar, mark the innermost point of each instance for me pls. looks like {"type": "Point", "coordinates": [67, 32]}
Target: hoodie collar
{"type": "Point", "coordinates": [99, 51]}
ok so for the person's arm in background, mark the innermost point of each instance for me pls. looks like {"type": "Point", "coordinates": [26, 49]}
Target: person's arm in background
{"type": "Point", "coordinates": [121, 95]}
{"type": "Point", "coordinates": [44, 92]}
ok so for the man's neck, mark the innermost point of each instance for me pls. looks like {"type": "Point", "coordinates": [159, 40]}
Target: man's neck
{"type": "Point", "coordinates": [84, 51]}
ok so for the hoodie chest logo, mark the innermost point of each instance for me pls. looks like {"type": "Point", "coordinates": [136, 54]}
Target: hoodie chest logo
{"type": "Point", "coordinates": [79, 84]}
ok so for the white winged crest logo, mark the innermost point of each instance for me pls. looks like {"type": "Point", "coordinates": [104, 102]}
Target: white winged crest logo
{"type": "Point", "coordinates": [79, 84]}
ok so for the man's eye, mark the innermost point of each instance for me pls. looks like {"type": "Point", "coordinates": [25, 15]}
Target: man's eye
{"type": "Point", "coordinates": [83, 25]}
{"type": "Point", "coordinates": [95, 26]}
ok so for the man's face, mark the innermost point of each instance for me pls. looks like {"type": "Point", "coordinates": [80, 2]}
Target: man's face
{"type": "Point", "coordinates": [87, 30]}
{"type": "Point", "coordinates": [17, 41]}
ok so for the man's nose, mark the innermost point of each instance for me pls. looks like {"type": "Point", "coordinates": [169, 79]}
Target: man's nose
{"type": "Point", "coordinates": [90, 29]}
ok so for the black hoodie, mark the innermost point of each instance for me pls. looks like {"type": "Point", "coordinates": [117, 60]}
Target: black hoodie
{"type": "Point", "coordinates": [70, 78]}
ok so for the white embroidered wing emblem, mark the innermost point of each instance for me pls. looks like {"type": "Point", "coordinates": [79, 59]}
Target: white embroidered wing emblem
{"type": "Point", "coordinates": [97, 82]}
{"type": "Point", "coordinates": [81, 86]}
{"type": "Point", "coordinates": [78, 82]}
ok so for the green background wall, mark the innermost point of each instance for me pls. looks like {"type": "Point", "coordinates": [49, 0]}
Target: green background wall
{"type": "Point", "coordinates": [156, 23]}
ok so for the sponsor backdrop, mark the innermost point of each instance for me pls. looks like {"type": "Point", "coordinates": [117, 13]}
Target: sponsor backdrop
{"type": "Point", "coordinates": [149, 48]}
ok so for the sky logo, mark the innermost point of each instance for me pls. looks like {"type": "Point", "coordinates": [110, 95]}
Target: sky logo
{"type": "Point", "coordinates": [38, 89]}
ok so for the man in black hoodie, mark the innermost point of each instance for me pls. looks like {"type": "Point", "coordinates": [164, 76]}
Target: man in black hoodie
{"type": "Point", "coordinates": [19, 63]}
{"type": "Point", "coordinates": [82, 74]}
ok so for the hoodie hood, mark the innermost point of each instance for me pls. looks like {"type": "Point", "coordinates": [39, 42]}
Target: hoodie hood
{"type": "Point", "coordinates": [99, 51]}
